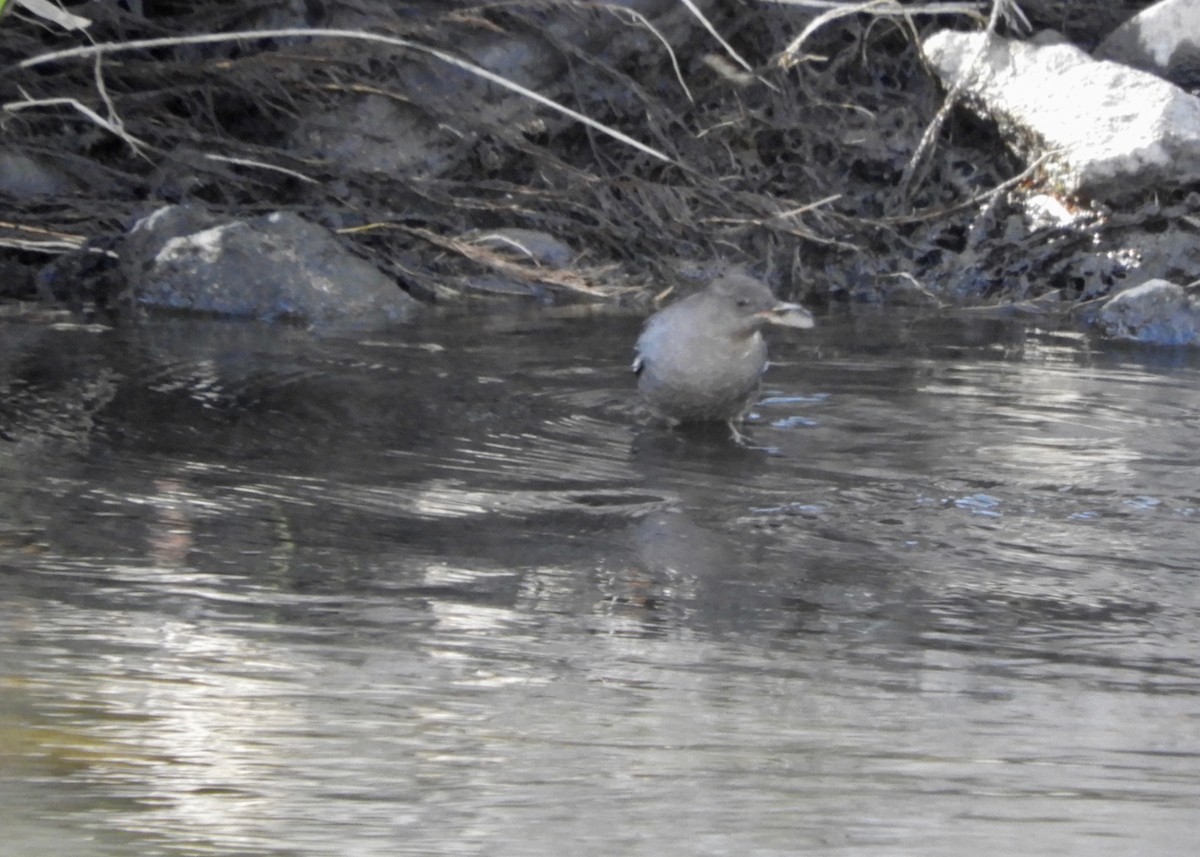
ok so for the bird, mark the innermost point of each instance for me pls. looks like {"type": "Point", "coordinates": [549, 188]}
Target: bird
{"type": "Point", "coordinates": [701, 359]}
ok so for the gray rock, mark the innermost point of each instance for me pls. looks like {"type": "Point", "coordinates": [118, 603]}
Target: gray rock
{"type": "Point", "coordinates": [1164, 40]}
{"type": "Point", "coordinates": [1111, 131]}
{"type": "Point", "coordinates": [23, 177]}
{"type": "Point", "coordinates": [278, 267]}
{"type": "Point", "coordinates": [1157, 312]}
{"type": "Point", "coordinates": [443, 118]}
{"type": "Point", "coordinates": [535, 245]}
{"type": "Point", "coordinates": [379, 134]}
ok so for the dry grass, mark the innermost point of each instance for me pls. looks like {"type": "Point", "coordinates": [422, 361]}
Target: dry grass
{"type": "Point", "coordinates": [659, 148]}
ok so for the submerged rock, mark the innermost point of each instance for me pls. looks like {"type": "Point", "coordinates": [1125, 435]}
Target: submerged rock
{"type": "Point", "coordinates": [278, 267]}
{"type": "Point", "coordinates": [1157, 312]}
{"type": "Point", "coordinates": [1110, 131]}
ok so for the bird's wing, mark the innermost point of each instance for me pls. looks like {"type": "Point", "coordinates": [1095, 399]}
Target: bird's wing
{"type": "Point", "coordinates": [645, 342]}
{"type": "Point", "coordinates": [639, 348]}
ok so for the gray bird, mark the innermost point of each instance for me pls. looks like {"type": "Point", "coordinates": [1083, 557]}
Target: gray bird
{"type": "Point", "coordinates": [701, 359]}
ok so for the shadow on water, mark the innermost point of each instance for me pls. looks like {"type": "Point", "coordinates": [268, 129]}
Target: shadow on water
{"type": "Point", "coordinates": [439, 591]}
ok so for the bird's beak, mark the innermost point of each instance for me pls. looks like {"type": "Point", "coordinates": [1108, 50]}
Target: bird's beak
{"type": "Point", "coordinates": [788, 315]}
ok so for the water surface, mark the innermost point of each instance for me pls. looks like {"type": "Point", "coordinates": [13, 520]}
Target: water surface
{"type": "Point", "coordinates": [436, 591]}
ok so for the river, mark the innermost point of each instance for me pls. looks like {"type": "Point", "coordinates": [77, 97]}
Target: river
{"type": "Point", "coordinates": [437, 591]}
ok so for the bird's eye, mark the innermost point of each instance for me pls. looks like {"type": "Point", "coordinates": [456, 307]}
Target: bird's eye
{"type": "Point", "coordinates": [743, 302]}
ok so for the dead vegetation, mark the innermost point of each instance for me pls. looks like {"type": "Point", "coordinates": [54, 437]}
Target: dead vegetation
{"type": "Point", "coordinates": [665, 153]}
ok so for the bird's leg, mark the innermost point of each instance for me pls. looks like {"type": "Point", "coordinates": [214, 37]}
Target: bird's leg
{"type": "Point", "coordinates": [736, 433]}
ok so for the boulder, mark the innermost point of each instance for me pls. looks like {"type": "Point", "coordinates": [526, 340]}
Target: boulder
{"type": "Point", "coordinates": [1110, 132]}
{"type": "Point", "coordinates": [277, 267]}
{"type": "Point", "coordinates": [1157, 312]}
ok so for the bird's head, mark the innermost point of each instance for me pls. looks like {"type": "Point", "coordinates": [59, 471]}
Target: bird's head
{"type": "Point", "coordinates": [752, 300]}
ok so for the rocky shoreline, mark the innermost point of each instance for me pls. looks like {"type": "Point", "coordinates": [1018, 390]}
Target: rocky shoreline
{"type": "Point", "coordinates": [353, 163]}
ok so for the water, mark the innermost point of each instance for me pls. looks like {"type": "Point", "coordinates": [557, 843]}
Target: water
{"type": "Point", "coordinates": [435, 592]}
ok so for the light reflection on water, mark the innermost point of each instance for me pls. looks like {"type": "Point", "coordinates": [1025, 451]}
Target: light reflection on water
{"type": "Point", "coordinates": [265, 594]}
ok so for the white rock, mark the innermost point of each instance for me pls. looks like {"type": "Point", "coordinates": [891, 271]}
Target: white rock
{"type": "Point", "coordinates": [1111, 131]}
{"type": "Point", "coordinates": [1164, 39]}
{"type": "Point", "coordinates": [1044, 211]}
